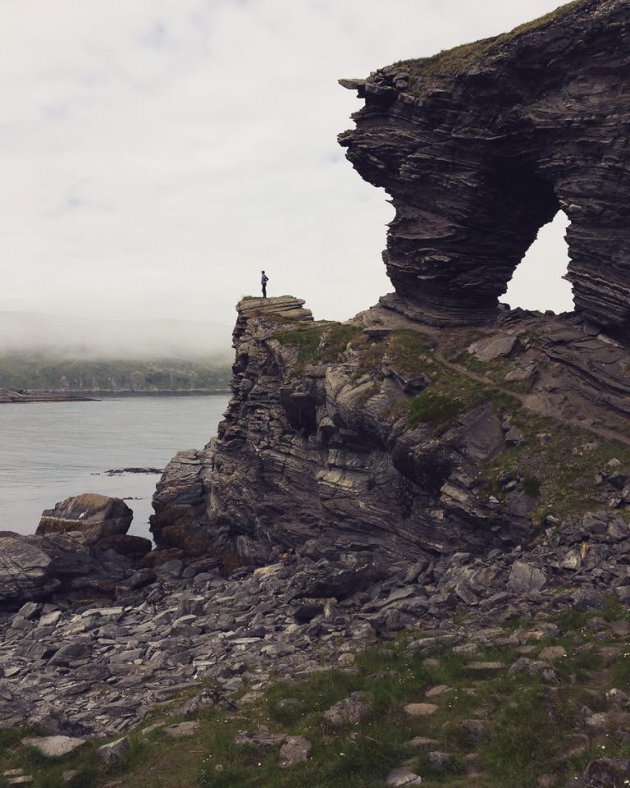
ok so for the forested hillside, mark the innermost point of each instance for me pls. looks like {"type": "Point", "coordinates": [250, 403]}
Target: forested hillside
{"type": "Point", "coordinates": [62, 374]}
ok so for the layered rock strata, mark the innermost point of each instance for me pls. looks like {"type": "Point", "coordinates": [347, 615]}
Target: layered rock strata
{"type": "Point", "coordinates": [480, 146]}
{"type": "Point", "coordinates": [388, 436]}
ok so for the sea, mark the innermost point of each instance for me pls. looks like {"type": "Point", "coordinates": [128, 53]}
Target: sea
{"type": "Point", "coordinates": [53, 450]}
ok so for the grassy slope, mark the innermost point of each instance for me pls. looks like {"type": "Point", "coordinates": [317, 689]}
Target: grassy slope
{"type": "Point", "coordinates": [554, 462]}
{"type": "Point", "coordinates": [461, 58]}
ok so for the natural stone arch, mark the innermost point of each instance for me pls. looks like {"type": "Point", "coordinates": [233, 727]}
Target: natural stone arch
{"type": "Point", "coordinates": [481, 146]}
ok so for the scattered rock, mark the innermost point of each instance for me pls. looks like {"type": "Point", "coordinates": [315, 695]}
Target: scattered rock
{"type": "Point", "coordinates": [114, 751]}
{"type": "Point", "coordinates": [402, 777]}
{"type": "Point", "coordinates": [347, 712]}
{"type": "Point", "coordinates": [54, 746]}
{"type": "Point", "coordinates": [604, 773]}
{"type": "Point", "coordinates": [420, 709]}
{"type": "Point", "coordinates": [525, 578]}
{"type": "Point", "coordinates": [295, 749]}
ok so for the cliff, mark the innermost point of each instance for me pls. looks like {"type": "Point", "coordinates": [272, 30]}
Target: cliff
{"type": "Point", "coordinates": [439, 421]}
{"type": "Point", "coordinates": [388, 435]}
{"type": "Point", "coordinates": [480, 146]}
{"type": "Point", "coordinates": [439, 473]}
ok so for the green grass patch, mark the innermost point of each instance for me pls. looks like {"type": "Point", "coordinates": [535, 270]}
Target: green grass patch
{"type": "Point", "coordinates": [521, 741]}
{"type": "Point", "coordinates": [438, 410]}
{"type": "Point", "coordinates": [319, 343]}
{"type": "Point", "coordinates": [451, 62]}
{"type": "Point", "coordinates": [556, 463]}
{"type": "Point", "coordinates": [529, 725]}
{"type": "Point", "coordinates": [448, 393]}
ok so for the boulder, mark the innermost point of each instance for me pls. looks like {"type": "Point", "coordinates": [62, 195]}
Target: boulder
{"type": "Point", "coordinates": [114, 751]}
{"type": "Point", "coordinates": [525, 578]}
{"type": "Point", "coordinates": [296, 749]}
{"type": "Point", "coordinates": [347, 712]}
{"type": "Point", "coordinates": [53, 746]}
{"type": "Point", "coordinates": [95, 516]}
{"type": "Point", "coordinates": [26, 571]}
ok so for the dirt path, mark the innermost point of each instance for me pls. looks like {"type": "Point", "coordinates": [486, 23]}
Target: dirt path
{"type": "Point", "coordinates": [529, 402]}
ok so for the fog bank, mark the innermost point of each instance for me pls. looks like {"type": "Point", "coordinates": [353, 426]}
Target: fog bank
{"type": "Point", "coordinates": [31, 332]}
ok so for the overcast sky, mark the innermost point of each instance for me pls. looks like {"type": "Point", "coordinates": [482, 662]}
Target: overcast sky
{"type": "Point", "coordinates": [156, 154]}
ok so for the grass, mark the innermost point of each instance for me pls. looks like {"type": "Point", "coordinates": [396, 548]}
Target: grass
{"type": "Point", "coordinates": [528, 733]}
{"type": "Point", "coordinates": [521, 739]}
{"type": "Point", "coordinates": [451, 62]}
{"type": "Point", "coordinates": [448, 393]}
{"type": "Point", "coordinates": [438, 410]}
{"type": "Point", "coordinates": [557, 464]}
{"type": "Point", "coordinates": [322, 343]}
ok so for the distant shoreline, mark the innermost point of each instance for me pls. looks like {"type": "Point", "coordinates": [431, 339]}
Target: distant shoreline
{"type": "Point", "coordinates": [105, 393]}
{"type": "Point", "coordinates": [11, 397]}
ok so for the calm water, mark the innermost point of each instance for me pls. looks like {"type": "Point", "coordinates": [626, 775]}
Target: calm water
{"type": "Point", "coordinates": [52, 450]}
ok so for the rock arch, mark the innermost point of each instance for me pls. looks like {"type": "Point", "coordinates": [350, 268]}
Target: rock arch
{"type": "Point", "coordinates": [481, 146]}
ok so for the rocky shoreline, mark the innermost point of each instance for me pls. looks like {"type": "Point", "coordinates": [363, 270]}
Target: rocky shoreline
{"type": "Point", "coordinates": [99, 669]}
{"type": "Point", "coordinates": [23, 396]}
{"type": "Point", "coordinates": [89, 395]}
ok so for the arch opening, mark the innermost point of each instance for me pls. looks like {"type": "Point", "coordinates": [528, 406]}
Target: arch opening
{"type": "Point", "coordinates": [538, 282]}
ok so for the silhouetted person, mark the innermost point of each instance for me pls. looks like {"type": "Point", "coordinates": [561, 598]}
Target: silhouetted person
{"type": "Point", "coordinates": [263, 281]}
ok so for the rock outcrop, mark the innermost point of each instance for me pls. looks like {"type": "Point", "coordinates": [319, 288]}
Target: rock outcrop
{"type": "Point", "coordinates": [387, 437]}
{"type": "Point", "coordinates": [94, 515]}
{"type": "Point", "coordinates": [81, 551]}
{"type": "Point", "coordinates": [481, 145]}
{"type": "Point", "coordinates": [406, 431]}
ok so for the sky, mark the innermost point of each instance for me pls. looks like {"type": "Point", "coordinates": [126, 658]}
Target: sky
{"type": "Point", "coordinates": [157, 154]}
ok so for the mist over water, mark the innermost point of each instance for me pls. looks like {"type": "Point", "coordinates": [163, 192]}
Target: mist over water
{"type": "Point", "coordinates": [50, 451]}
{"type": "Point", "coordinates": [82, 337]}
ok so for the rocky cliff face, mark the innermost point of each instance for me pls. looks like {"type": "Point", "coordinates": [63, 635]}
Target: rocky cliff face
{"type": "Point", "coordinates": [389, 436]}
{"type": "Point", "coordinates": [481, 145]}
{"type": "Point", "coordinates": [439, 421]}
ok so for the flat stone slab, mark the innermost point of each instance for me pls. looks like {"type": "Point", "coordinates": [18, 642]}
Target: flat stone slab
{"type": "Point", "coordinates": [420, 709]}
{"type": "Point", "coordinates": [435, 692]}
{"type": "Point", "coordinates": [422, 741]}
{"type": "Point", "coordinates": [551, 653]}
{"type": "Point", "coordinates": [403, 776]}
{"type": "Point", "coordinates": [53, 746]}
{"type": "Point", "coordinates": [181, 729]}
{"type": "Point", "coordinates": [485, 667]}
{"type": "Point", "coordinates": [493, 347]}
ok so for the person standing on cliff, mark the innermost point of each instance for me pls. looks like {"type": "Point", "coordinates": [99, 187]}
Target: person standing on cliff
{"type": "Point", "coordinates": [263, 281]}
